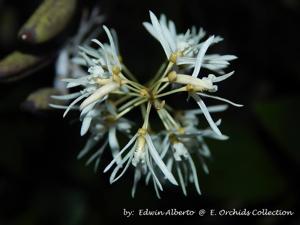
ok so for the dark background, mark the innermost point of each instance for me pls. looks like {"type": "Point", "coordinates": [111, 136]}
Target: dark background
{"type": "Point", "coordinates": [41, 182]}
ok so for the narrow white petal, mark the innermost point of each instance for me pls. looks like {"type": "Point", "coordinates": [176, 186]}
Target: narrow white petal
{"type": "Point", "coordinates": [184, 60]}
{"type": "Point", "coordinates": [62, 64]}
{"type": "Point", "coordinates": [187, 34]}
{"type": "Point", "coordinates": [217, 137]}
{"type": "Point", "coordinates": [194, 173]}
{"type": "Point", "coordinates": [114, 173]}
{"type": "Point", "coordinates": [116, 42]}
{"type": "Point", "coordinates": [150, 29]}
{"type": "Point", "coordinates": [200, 56]}
{"type": "Point", "coordinates": [120, 153]}
{"type": "Point", "coordinates": [216, 68]}
{"type": "Point", "coordinates": [217, 39]}
{"type": "Point", "coordinates": [221, 99]}
{"type": "Point", "coordinates": [78, 61]}
{"type": "Point", "coordinates": [113, 143]}
{"type": "Point", "coordinates": [87, 109]}
{"type": "Point", "coordinates": [80, 80]}
{"type": "Point", "coordinates": [205, 150]}
{"type": "Point", "coordinates": [220, 57]}
{"type": "Point", "coordinates": [170, 164]}
{"type": "Point", "coordinates": [160, 36]}
{"type": "Point", "coordinates": [124, 125]}
{"type": "Point", "coordinates": [112, 44]}
{"type": "Point", "coordinates": [181, 181]}
{"type": "Point", "coordinates": [166, 146]}
{"type": "Point", "coordinates": [201, 34]}
{"type": "Point", "coordinates": [222, 77]}
{"type": "Point", "coordinates": [206, 114]}
{"type": "Point", "coordinates": [87, 59]}
{"type": "Point", "coordinates": [74, 102]}
{"type": "Point", "coordinates": [150, 167]}
{"type": "Point", "coordinates": [229, 57]}
{"type": "Point", "coordinates": [58, 106]}
{"type": "Point", "coordinates": [159, 162]}
{"type": "Point", "coordinates": [89, 51]}
{"type": "Point", "coordinates": [218, 62]}
{"type": "Point", "coordinates": [137, 177]}
{"type": "Point", "coordinates": [104, 51]}
{"type": "Point", "coordinates": [88, 146]}
{"type": "Point", "coordinates": [147, 179]}
{"type": "Point", "coordinates": [167, 34]}
{"type": "Point", "coordinates": [156, 189]}
{"type": "Point", "coordinates": [93, 157]}
{"type": "Point", "coordinates": [66, 97]}
{"type": "Point", "coordinates": [172, 28]}
{"type": "Point", "coordinates": [205, 168]}
{"type": "Point", "coordinates": [127, 158]}
{"type": "Point", "coordinates": [71, 85]}
{"type": "Point", "coordinates": [97, 154]}
{"type": "Point", "coordinates": [85, 125]}
{"type": "Point", "coordinates": [98, 43]}
{"type": "Point", "coordinates": [211, 109]}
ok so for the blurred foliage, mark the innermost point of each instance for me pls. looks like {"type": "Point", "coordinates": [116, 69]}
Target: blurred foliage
{"type": "Point", "coordinates": [280, 119]}
{"type": "Point", "coordinates": [241, 169]}
{"type": "Point", "coordinates": [40, 99]}
{"type": "Point", "coordinates": [17, 64]}
{"type": "Point", "coordinates": [46, 24]}
{"type": "Point", "coordinates": [8, 25]}
{"type": "Point", "coordinates": [47, 21]}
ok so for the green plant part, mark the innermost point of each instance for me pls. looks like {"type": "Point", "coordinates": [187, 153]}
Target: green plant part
{"type": "Point", "coordinates": [41, 99]}
{"type": "Point", "coordinates": [18, 64]}
{"type": "Point", "coordinates": [47, 21]}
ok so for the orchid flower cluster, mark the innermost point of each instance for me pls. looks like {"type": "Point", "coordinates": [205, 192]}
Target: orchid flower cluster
{"type": "Point", "coordinates": [108, 93]}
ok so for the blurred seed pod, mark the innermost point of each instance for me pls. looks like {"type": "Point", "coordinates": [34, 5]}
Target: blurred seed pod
{"type": "Point", "coordinates": [51, 17]}
{"type": "Point", "coordinates": [18, 64]}
{"type": "Point", "coordinates": [40, 99]}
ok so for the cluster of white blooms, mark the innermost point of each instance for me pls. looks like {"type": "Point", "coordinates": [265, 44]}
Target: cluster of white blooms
{"type": "Point", "coordinates": [108, 91]}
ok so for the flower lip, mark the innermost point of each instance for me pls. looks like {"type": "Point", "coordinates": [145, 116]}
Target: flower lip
{"type": "Point", "coordinates": [199, 84]}
{"type": "Point", "coordinates": [99, 94]}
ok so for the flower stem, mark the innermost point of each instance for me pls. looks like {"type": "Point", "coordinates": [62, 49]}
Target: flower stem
{"type": "Point", "coordinates": [128, 73]}
{"type": "Point", "coordinates": [157, 84]}
{"type": "Point", "coordinates": [146, 120]}
{"type": "Point", "coordinates": [157, 75]}
{"type": "Point", "coordinates": [130, 108]}
{"type": "Point", "coordinates": [131, 102]}
{"type": "Point", "coordinates": [171, 92]}
{"type": "Point", "coordinates": [125, 93]}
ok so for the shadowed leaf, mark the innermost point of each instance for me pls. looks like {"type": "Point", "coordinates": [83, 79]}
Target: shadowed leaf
{"type": "Point", "coordinates": [17, 64]}
{"type": "Point", "coordinates": [47, 21]}
{"type": "Point", "coordinates": [242, 170]}
{"type": "Point", "coordinates": [40, 99]}
{"type": "Point", "coordinates": [280, 119]}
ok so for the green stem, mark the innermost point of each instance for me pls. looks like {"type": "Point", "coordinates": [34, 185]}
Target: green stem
{"type": "Point", "coordinates": [125, 93]}
{"type": "Point", "coordinates": [128, 73]}
{"type": "Point", "coordinates": [163, 87]}
{"type": "Point", "coordinates": [130, 108]}
{"type": "Point", "coordinates": [131, 102]}
{"type": "Point", "coordinates": [158, 83]}
{"type": "Point", "coordinates": [171, 92]}
{"type": "Point", "coordinates": [158, 73]}
{"type": "Point", "coordinates": [146, 121]}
